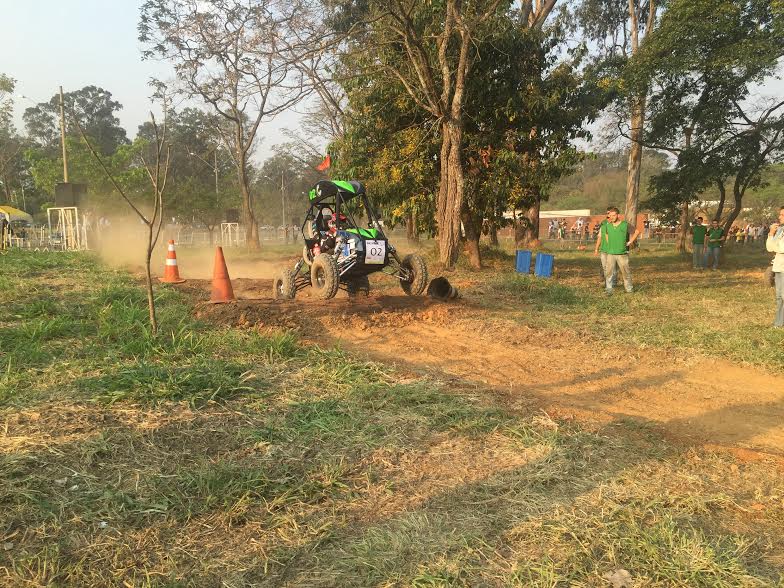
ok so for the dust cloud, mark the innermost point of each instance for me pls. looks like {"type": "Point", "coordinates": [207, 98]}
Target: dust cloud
{"type": "Point", "coordinates": [123, 244]}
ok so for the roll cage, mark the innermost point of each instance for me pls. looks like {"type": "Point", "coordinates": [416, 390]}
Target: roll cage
{"type": "Point", "coordinates": [345, 199]}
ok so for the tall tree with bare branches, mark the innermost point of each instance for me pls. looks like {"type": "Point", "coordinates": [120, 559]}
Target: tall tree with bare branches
{"type": "Point", "coordinates": [238, 57]}
{"type": "Point", "coordinates": [155, 163]}
{"type": "Point", "coordinates": [621, 27]}
{"type": "Point", "coordinates": [703, 106]}
{"type": "Point", "coordinates": [430, 49]}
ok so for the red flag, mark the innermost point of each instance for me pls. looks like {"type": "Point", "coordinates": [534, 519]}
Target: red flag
{"type": "Point", "coordinates": [324, 164]}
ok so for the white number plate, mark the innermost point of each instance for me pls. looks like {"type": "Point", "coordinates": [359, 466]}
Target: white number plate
{"type": "Point", "coordinates": [375, 252]}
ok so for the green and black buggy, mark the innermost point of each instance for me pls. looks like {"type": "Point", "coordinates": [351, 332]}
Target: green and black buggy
{"type": "Point", "coordinates": [338, 253]}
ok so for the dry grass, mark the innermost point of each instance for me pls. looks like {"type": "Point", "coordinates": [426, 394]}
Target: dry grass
{"type": "Point", "coordinates": [227, 457]}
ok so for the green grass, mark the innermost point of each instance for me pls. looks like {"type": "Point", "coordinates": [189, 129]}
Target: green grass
{"type": "Point", "coordinates": [726, 314]}
{"type": "Point", "coordinates": [211, 456]}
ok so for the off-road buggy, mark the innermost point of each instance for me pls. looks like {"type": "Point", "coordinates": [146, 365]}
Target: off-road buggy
{"type": "Point", "coordinates": [338, 253]}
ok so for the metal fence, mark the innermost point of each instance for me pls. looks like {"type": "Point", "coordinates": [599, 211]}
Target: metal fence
{"type": "Point", "coordinates": [42, 238]}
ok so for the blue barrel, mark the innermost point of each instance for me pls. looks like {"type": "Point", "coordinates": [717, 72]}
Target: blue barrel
{"type": "Point", "coordinates": [544, 265]}
{"type": "Point", "coordinates": [523, 262]}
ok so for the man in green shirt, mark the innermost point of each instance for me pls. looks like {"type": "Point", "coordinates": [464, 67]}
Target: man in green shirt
{"type": "Point", "coordinates": [698, 232]}
{"type": "Point", "coordinates": [602, 252]}
{"type": "Point", "coordinates": [616, 242]}
{"type": "Point", "coordinates": [715, 239]}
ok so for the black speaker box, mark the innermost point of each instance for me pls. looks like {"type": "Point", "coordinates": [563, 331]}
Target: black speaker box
{"type": "Point", "coordinates": [69, 194]}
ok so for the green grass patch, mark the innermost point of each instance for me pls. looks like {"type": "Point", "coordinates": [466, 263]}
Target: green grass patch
{"type": "Point", "coordinates": [726, 314]}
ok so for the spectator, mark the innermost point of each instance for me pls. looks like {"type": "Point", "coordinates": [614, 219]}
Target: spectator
{"type": "Point", "coordinates": [5, 230]}
{"type": "Point", "coordinates": [740, 236]}
{"type": "Point", "coordinates": [616, 241]}
{"type": "Point", "coordinates": [698, 232]}
{"type": "Point", "coordinates": [646, 229]}
{"type": "Point", "coordinates": [775, 244]}
{"type": "Point", "coordinates": [601, 250]}
{"type": "Point", "coordinates": [715, 239]}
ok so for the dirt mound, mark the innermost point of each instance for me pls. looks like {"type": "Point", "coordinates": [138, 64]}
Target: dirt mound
{"type": "Point", "coordinates": [309, 315]}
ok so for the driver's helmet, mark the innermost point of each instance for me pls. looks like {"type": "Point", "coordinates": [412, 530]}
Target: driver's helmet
{"type": "Point", "coordinates": [331, 219]}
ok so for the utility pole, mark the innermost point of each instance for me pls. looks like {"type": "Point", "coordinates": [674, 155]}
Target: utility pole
{"type": "Point", "coordinates": [215, 167]}
{"type": "Point", "coordinates": [62, 136]}
{"type": "Point", "coordinates": [283, 211]}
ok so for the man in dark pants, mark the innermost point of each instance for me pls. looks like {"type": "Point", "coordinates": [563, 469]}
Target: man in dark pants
{"type": "Point", "coordinates": [5, 230]}
{"type": "Point", "coordinates": [715, 239]}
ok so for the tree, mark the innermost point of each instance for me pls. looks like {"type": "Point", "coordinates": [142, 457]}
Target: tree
{"type": "Point", "coordinates": [431, 50]}
{"type": "Point", "coordinates": [621, 27]}
{"type": "Point", "coordinates": [157, 171]}
{"type": "Point", "coordinates": [283, 182]}
{"type": "Point", "coordinates": [200, 186]}
{"type": "Point", "coordinates": [389, 142]}
{"type": "Point", "coordinates": [96, 110]}
{"type": "Point", "coordinates": [236, 57]}
{"type": "Point", "coordinates": [701, 72]}
{"type": "Point", "coordinates": [11, 143]}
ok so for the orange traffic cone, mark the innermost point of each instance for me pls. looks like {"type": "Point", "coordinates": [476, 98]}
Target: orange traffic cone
{"type": "Point", "coordinates": [221, 283]}
{"type": "Point", "coordinates": [171, 275]}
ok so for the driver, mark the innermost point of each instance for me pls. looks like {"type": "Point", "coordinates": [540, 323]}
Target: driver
{"type": "Point", "coordinates": [327, 224]}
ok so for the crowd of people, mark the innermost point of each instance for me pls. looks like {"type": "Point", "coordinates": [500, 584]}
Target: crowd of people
{"type": "Point", "coordinates": [583, 229]}
{"type": "Point", "coordinates": [749, 233]}
{"type": "Point", "coordinates": [560, 229]}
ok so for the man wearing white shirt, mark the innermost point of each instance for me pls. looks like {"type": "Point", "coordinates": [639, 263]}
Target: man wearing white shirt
{"type": "Point", "coordinates": [775, 244]}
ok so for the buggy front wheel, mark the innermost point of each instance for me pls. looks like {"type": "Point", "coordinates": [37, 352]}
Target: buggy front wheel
{"type": "Point", "coordinates": [417, 275]}
{"type": "Point", "coordinates": [283, 286]}
{"type": "Point", "coordinates": [324, 276]}
{"type": "Point", "coordinates": [358, 285]}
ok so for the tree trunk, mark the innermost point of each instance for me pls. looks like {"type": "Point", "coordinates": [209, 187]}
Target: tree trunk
{"type": "Point", "coordinates": [722, 199]}
{"type": "Point", "coordinates": [450, 193]}
{"type": "Point", "coordinates": [412, 234]}
{"type": "Point", "coordinates": [635, 161]}
{"type": "Point", "coordinates": [493, 233]}
{"type": "Point", "coordinates": [7, 188]}
{"type": "Point", "coordinates": [211, 229]}
{"type": "Point", "coordinates": [150, 294]}
{"type": "Point", "coordinates": [472, 234]}
{"type": "Point", "coordinates": [738, 194]}
{"type": "Point", "coordinates": [527, 228]}
{"type": "Point", "coordinates": [251, 228]}
{"type": "Point", "coordinates": [683, 232]}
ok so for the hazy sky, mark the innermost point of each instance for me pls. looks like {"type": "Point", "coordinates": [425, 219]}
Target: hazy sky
{"type": "Point", "coordinates": [77, 43]}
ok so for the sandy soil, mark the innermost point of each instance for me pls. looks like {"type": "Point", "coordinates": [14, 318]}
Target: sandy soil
{"type": "Point", "coordinates": [692, 399]}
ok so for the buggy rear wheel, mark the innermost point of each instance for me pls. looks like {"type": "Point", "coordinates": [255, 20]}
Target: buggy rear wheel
{"type": "Point", "coordinates": [324, 276]}
{"type": "Point", "coordinates": [283, 286]}
{"type": "Point", "coordinates": [417, 271]}
{"type": "Point", "coordinates": [357, 286]}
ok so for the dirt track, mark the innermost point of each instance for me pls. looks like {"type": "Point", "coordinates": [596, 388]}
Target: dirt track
{"type": "Point", "coordinates": [694, 400]}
